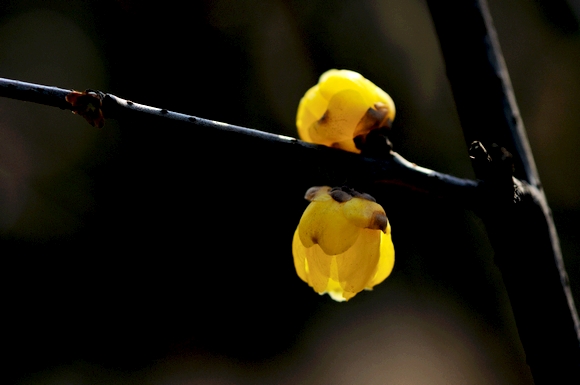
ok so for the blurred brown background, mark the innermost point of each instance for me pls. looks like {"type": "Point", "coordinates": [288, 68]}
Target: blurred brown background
{"type": "Point", "coordinates": [119, 266]}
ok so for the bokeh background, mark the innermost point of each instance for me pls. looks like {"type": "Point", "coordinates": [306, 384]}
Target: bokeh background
{"type": "Point", "coordinates": [139, 254]}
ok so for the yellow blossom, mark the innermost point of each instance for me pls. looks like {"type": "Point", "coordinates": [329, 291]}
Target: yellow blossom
{"type": "Point", "coordinates": [342, 244]}
{"type": "Point", "coordinates": [341, 107]}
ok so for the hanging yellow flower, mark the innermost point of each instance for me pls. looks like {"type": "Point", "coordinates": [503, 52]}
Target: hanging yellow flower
{"type": "Point", "coordinates": [341, 109]}
{"type": "Point", "coordinates": [343, 243]}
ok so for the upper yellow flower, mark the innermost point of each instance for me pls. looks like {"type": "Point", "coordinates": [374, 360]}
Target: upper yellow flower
{"type": "Point", "coordinates": [341, 107]}
{"type": "Point", "coordinates": [343, 243]}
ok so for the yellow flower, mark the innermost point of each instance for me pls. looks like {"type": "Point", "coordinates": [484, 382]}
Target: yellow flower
{"type": "Point", "coordinates": [341, 107]}
{"type": "Point", "coordinates": [342, 244]}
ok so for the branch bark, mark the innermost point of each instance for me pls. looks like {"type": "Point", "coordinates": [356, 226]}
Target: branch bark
{"type": "Point", "coordinates": [337, 165]}
{"type": "Point", "coordinates": [517, 217]}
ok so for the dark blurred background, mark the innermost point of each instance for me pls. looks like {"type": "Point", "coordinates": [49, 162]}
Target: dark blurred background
{"type": "Point", "coordinates": [138, 254]}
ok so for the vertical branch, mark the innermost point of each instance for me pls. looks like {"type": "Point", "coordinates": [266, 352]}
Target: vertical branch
{"type": "Point", "coordinates": [517, 217]}
{"type": "Point", "coordinates": [480, 82]}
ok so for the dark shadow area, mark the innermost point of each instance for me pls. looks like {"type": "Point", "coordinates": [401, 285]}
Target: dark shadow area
{"type": "Point", "coordinates": [139, 254]}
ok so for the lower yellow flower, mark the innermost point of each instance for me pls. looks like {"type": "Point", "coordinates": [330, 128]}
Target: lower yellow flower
{"type": "Point", "coordinates": [343, 243]}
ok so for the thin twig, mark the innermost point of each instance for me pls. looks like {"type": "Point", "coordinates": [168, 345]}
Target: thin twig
{"type": "Point", "coordinates": [394, 170]}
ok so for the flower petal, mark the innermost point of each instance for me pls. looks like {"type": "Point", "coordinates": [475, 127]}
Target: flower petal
{"type": "Point", "coordinates": [311, 108]}
{"type": "Point", "coordinates": [318, 194]}
{"type": "Point", "coordinates": [333, 288]}
{"type": "Point", "coordinates": [348, 295]}
{"type": "Point", "coordinates": [345, 110]}
{"type": "Point", "coordinates": [303, 122]}
{"type": "Point", "coordinates": [334, 81]}
{"type": "Point", "coordinates": [386, 259]}
{"type": "Point", "coordinates": [346, 145]}
{"type": "Point", "coordinates": [318, 268]}
{"type": "Point", "coordinates": [323, 223]}
{"type": "Point", "coordinates": [365, 214]}
{"type": "Point", "coordinates": [358, 265]}
{"type": "Point", "coordinates": [375, 94]}
{"type": "Point", "coordinates": [313, 102]}
{"type": "Point", "coordinates": [299, 254]}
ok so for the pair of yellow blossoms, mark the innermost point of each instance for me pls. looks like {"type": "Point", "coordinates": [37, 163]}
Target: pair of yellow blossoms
{"type": "Point", "coordinates": [342, 244]}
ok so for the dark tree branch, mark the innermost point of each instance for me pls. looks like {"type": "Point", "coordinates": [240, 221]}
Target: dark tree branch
{"type": "Point", "coordinates": [338, 165]}
{"type": "Point", "coordinates": [483, 92]}
{"type": "Point", "coordinates": [516, 214]}
{"type": "Point", "coordinates": [36, 93]}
